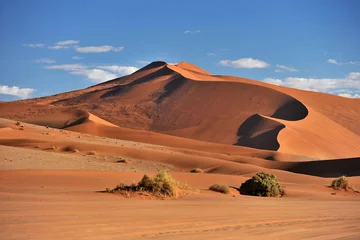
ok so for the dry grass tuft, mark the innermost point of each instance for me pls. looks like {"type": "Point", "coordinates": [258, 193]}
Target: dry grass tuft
{"type": "Point", "coordinates": [162, 185]}
{"type": "Point", "coordinates": [196, 170]}
{"type": "Point", "coordinates": [220, 188]}
{"type": "Point", "coordinates": [340, 183]}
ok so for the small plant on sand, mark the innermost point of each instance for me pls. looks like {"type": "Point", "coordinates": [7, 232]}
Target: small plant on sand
{"type": "Point", "coordinates": [196, 170]}
{"type": "Point", "coordinates": [122, 161]}
{"type": "Point", "coordinates": [220, 188]}
{"type": "Point", "coordinates": [17, 123]}
{"type": "Point", "coordinates": [70, 149]}
{"type": "Point", "coordinates": [163, 185]}
{"type": "Point", "coordinates": [262, 184]}
{"type": "Point", "coordinates": [340, 183]}
{"type": "Point", "coordinates": [91, 153]}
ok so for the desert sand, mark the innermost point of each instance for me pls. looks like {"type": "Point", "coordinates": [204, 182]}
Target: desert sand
{"type": "Point", "coordinates": [58, 153]}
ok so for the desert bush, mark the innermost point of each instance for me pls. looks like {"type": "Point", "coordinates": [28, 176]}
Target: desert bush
{"type": "Point", "coordinates": [340, 183]}
{"type": "Point", "coordinates": [262, 184]}
{"type": "Point", "coordinates": [122, 161]}
{"type": "Point", "coordinates": [196, 170]}
{"type": "Point", "coordinates": [162, 185]}
{"type": "Point", "coordinates": [91, 153]}
{"type": "Point", "coordinates": [220, 188]}
{"type": "Point", "coordinates": [70, 149]}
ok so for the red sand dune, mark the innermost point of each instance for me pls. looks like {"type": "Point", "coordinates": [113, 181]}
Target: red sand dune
{"type": "Point", "coordinates": [184, 100]}
{"type": "Point", "coordinates": [178, 117]}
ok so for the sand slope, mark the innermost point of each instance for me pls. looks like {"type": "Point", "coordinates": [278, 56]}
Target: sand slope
{"type": "Point", "coordinates": [184, 100]}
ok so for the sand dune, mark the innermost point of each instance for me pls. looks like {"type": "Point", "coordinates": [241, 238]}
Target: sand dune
{"type": "Point", "coordinates": [186, 101]}
{"type": "Point", "coordinates": [68, 147]}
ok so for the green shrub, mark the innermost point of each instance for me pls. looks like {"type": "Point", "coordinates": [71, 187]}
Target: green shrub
{"type": "Point", "coordinates": [196, 170]}
{"type": "Point", "coordinates": [262, 184]}
{"type": "Point", "coordinates": [220, 188]}
{"type": "Point", "coordinates": [340, 183]}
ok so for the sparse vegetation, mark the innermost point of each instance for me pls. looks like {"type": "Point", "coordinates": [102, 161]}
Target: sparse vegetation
{"type": "Point", "coordinates": [122, 161]}
{"type": "Point", "coordinates": [196, 170]}
{"type": "Point", "coordinates": [70, 149]}
{"type": "Point", "coordinates": [220, 188]}
{"type": "Point", "coordinates": [262, 184]}
{"type": "Point", "coordinates": [91, 153]}
{"type": "Point", "coordinates": [340, 183]}
{"type": "Point", "coordinates": [17, 123]}
{"type": "Point", "coordinates": [163, 185]}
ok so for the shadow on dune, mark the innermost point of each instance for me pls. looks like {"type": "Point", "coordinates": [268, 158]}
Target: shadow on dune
{"type": "Point", "coordinates": [291, 111]}
{"type": "Point", "coordinates": [259, 132]}
{"type": "Point", "coordinates": [326, 168]}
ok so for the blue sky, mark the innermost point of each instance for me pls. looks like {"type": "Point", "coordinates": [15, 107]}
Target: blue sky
{"type": "Point", "coordinates": [49, 47]}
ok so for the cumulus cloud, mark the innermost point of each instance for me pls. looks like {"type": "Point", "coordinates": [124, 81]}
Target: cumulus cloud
{"type": "Point", "coordinates": [34, 45]}
{"type": "Point", "coordinates": [333, 61]}
{"type": "Point", "coordinates": [77, 58]}
{"type": "Point", "coordinates": [349, 95]}
{"type": "Point", "coordinates": [122, 70]}
{"type": "Point", "coordinates": [16, 91]}
{"type": "Point", "coordinates": [192, 32]}
{"type": "Point", "coordinates": [68, 42]}
{"type": "Point", "coordinates": [98, 49]}
{"type": "Point", "coordinates": [285, 68]}
{"type": "Point", "coordinates": [348, 86]}
{"type": "Point", "coordinates": [245, 63]}
{"type": "Point", "coordinates": [57, 47]}
{"type": "Point", "coordinates": [44, 60]}
{"type": "Point", "coordinates": [96, 74]}
{"type": "Point", "coordinates": [67, 67]}
{"type": "Point", "coordinates": [142, 62]}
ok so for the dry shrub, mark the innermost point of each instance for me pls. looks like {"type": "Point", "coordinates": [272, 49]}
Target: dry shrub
{"type": "Point", "coordinates": [163, 185]}
{"type": "Point", "coordinates": [340, 183]}
{"type": "Point", "coordinates": [196, 170]}
{"type": "Point", "coordinates": [220, 188]}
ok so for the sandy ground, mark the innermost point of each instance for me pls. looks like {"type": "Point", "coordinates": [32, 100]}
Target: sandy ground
{"type": "Point", "coordinates": [58, 204]}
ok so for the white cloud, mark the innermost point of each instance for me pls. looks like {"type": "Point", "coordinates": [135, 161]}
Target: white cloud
{"type": "Point", "coordinates": [67, 67]}
{"type": "Point", "coordinates": [98, 49]}
{"type": "Point", "coordinates": [348, 86]}
{"type": "Point", "coordinates": [57, 47]}
{"type": "Point", "coordinates": [68, 42]}
{"type": "Point", "coordinates": [16, 91]}
{"type": "Point", "coordinates": [349, 95]}
{"type": "Point", "coordinates": [244, 63]}
{"type": "Point", "coordinates": [192, 32]}
{"type": "Point", "coordinates": [333, 61]}
{"type": "Point", "coordinates": [44, 60]}
{"type": "Point", "coordinates": [144, 62]}
{"type": "Point", "coordinates": [288, 69]}
{"type": "Point", "coordinates": [77, 58]}
{"type": "Point", "coordinates": [95, 75]}
{"type": "Point", "coordinates": [122, 70]}
{"type": "Point", "coordinates": [34, 45]}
